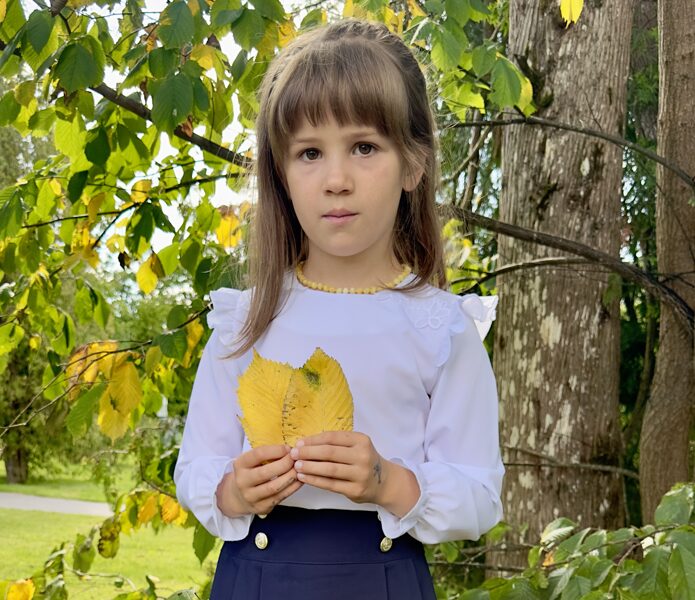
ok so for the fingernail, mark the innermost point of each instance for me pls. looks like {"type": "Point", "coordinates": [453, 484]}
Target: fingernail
{"type": "Point", "coordinates": [299, 443]}
{"type": "Point", "coordinates": [294, 453]}
{"type": "Point", "coordinates": [301, 476]}
{"type": "Point", "coordinates": [298, 465]}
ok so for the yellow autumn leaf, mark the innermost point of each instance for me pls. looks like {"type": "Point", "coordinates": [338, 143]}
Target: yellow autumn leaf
{"type": "Point", "coordinates": [261, 393]}
{"type": "Point", "coordinates": [204, 55]}
{"type": "Point", "coordinates": [21, 590]}
{"type": "Point", "coordinates": [148, 509]}
{"type": "Point", "coordinates": [348, 9]}
{"type": "Point", "coordinates": [570, 10]}
{"type": "Point", "coordinates": [112, 423]}
{"type": "Point", "coordinates": [228, 231]}
{"type": "Point", "coordinates": [525, 102]}
{"type": "Point", "coordinates": [123, 394]}
{"type": "Point", "coordinates": [87, 361]}
{"type": "Point", "coordinates": [54, 183]}
{"type": "Point", "coordinates": [170, 509]}
{"type": "Point", "coordinates": [149, 273]}
{"type": "Point", "coordinates": [415, 10]}
{"type": "Point", "coordinates": [141, 191]}
{"type": "Point", "coordinates": [286, 33]}
{"type": "Point", "coordinates": [194, 333]}
{"type": "Point", "coordinates": [318, 399]}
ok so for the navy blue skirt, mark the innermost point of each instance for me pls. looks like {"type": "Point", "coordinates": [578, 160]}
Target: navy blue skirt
{"type": "Point", "coordinates": [301, 554]}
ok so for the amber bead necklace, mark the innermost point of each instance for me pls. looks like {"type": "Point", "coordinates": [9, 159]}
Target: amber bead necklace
{"type": "Point", "coordinates": [322, 287]}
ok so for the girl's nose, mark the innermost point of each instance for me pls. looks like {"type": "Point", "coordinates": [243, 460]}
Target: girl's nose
{"type": "Point", "coordinates": [338, 178]}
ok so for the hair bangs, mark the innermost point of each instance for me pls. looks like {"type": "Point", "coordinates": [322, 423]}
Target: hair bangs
{"type": "Point", "coordinates": [354, 83]}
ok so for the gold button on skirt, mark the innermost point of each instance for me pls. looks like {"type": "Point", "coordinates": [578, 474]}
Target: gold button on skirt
{"type": "Point", "coordinates": [261, 541]}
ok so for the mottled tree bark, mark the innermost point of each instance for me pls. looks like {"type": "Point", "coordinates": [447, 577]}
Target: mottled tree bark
{"type": "Point", "coordinates": [668, 418]}
{"type": "Point", "coordinates": [557, 342]}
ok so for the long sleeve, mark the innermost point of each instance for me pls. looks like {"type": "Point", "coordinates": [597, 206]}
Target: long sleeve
{"type": "Point", "coordinates": [461, 477]}
{"type": "Point", "coordinates": [212, 438]}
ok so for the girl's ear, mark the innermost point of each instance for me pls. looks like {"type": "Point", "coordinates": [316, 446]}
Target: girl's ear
{"type": "Point", "coordinates": [412, 177]}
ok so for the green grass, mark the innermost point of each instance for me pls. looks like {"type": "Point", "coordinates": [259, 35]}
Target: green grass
{"type": "Point", "coordinates": [29, 537]}
{"type": "Point", "coordinates": [73, 482]}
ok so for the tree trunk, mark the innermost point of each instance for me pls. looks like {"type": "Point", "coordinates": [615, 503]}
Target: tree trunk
{"type": "Point", "coordinates": [16, 464]}
{"type": "Point", "coordinates": [664, 445]}
{"type": "Point", "coordinates": [557, 338]}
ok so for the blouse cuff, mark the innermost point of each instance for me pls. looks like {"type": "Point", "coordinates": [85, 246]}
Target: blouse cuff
{"type": "Point", "coordinates": [394, 526]}
{"type": "Point", "coordinates": [201, 492]}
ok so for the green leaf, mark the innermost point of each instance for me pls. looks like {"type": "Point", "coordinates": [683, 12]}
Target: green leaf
{"type": "Point", "coordinates": [249, 29]}
{"type": "Point", "coordinates": [200, 94]}
{"type": "Point", "coordinates": [270, 9]}
{"type": "Point", "coordinates": [203, 542]}
{"type": "Point", "coordinates": [169, 257]}
{"type": "Point", "coordinates": [97, 149]}
{"type": "Point", "coordinates": [81, 64]}
{"type": "Point", "coordinates": [83, 552]}
{"type": "Point", "coordinates": [225, 12]}
{"type": "Point", "coordinates": [82, 413]}
{"type": "Point", "coordinates": [11, 212]}
{"type": "Point", "coordinates": [201, 278]}
{"type": "Point", "coordinates": [162, 61]}
{"type": "Point", "coordinates": [172, 102]}
{"type": "Point", "coordinates": [676, 507]}
{"type": "Point", "coordinates": [446, 50]}
{"type": "Point", "coordinates": [177, 316]}
{"type": "Point", "coordinates": [10, 336]}
{"type": "Point", "coordinates": [556, 531]}
{"type": "Point", "coordinates": [483, 60]}
{"type": "Point", "coordinates": [176, 25]}
{"type": "Point", "coordinates": [681, 574]}
{"type": "Point", "coordinates": [190, 254]}
{"type": "Point", "coordinates": [11, 46]}
{"type": "Point", "coordinates": [38, 29]}
{"type": "Point", "coordinates": [76, 185]}
{"type": "Point", "coordinates": [9, 109]}
{"type": "Point", "coordinates": [506, 84]}
{"type": "Point", "coordinates": [173, 345]}
{"type": "Point", "coordinates": [140, 229]}
{"type": "Point", "coordinates": [459, 10]}
{"type": "Point", "coordinates": [652, 582]}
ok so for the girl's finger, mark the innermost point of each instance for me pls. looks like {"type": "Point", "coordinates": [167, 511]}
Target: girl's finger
{"type": "Point", "coordinates": [328, 470]}
{"type": "Point", "coordinates": [328, 453]}
{"type": "Point", "coordinates": [272, 488]}
{"type": "Point", "coordinates": [349, 489]}
{"type": "Point", "coordinates": [260, 475]}
{"type": "Point", "coordinates": [257, 456]}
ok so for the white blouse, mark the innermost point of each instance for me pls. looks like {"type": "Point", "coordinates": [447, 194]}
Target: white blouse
{"type": "Point", "coordinates": [422, 386]}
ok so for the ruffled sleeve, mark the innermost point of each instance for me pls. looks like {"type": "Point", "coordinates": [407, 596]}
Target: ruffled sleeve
{"type": "Point", "coordinates": [461, 477]}
{"type": "Point", "coordinates": [212, 436]}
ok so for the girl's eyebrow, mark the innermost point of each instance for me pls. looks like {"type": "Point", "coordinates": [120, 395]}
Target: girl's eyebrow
{"type": "Point", "coordinates": [358, 133]}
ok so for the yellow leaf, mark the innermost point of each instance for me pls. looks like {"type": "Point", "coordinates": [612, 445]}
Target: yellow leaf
{"type": "Point", "coordinates": [286, 33]}
{"type": "Point", "coordinates": [318, 399]}
{"type": "Point", "coordinates": [141, 191]}
{"type": "Point", "coordinates": [228, 232]}
{"type": "Point", "coordinates": [415, 10]}
{"type": "Point", "coordinates": [348, 10]}
{"type": "Point", "coordinates": [148, 510]}
{"type": "Point", "coordinates": [125, 387]}
{"type": "Point", "coordinates": [170, 510]}
{"type": "Point", "coordinates": [109, 537]}
{"type": "Point", "coordinates": [261, 394]}
{"type": "Point", "coordinates": [525, 103]}
{"type": "Point", "coordinates": [94, 205]}
{"type": "Point", "coordinates": [87, 361]}
{"type": "Point", "coordinates": [194, 333]}
{"type": "Point", "coordinates": [204, 55]}
{"type": "Point", "coordinates": [149, 273]}
{"type": "Point", "coordinates": [116, 243]}
{"type": "Point", "coordinates": [111, 422]}
{"type": "Point", "coordinates": [570, 10]}
{"type": "Point", "coordinates": [23, 589]}
{"type": "Point", "coordinates": [54, 183]}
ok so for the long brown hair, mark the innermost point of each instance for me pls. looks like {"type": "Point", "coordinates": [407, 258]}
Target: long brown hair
{"type": "Point", "coordinates": [355, 72]}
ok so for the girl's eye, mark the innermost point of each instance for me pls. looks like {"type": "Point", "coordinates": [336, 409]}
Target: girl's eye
{"type": "Point", "coordinates": [310, 154]}
{"type": "Point", "coordinates": [365, 149]}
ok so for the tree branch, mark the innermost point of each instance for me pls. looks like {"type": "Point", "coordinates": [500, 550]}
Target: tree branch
{"type": "Point", "coordinates": [142, 111]}
{"type": "Point", "coordinates": [613, 139]}
{"type": "Point", "coordinates": [626, 271]}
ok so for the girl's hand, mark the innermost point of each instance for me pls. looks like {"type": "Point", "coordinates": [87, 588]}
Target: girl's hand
{"type": "Point", "coordinates": [346, 462]}
{"type": "Point", "coordinates": [261, 479]}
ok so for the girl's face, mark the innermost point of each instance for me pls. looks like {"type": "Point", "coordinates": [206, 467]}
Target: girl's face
{"type": "Point", "coordinates": [345, 184]}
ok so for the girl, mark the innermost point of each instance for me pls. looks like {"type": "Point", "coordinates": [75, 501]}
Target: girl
{"type": "Point", "coordinates": [345, 250]}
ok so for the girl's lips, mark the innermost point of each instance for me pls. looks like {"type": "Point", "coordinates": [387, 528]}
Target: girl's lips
{"type": "Point", "coordinates": [340, 218]}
